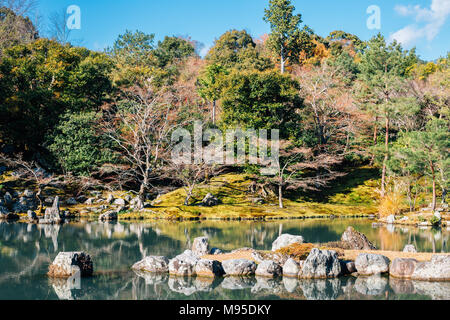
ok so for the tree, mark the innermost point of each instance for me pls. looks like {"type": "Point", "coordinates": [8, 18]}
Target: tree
{"type": "Point", "coordinates": [321, 87]}
{"type": "Point", "coordinates": [42, 80]}
{"type": "Point", "coordinates": [237, 50]}
{"type": "Point", "coordinates": [15, 29]}
{"type": "Point", "coordinates": [77, 144]}
{"type": "Point", "coordinates": [302, 168]}
{"type": "Point", "coordinates": [132, 53]}
{"type": "Point", "coordinates": [429, 149]}
{"type": "Point", "coordinates": [173, 49]}
{"type": "Point", "coordinates": [210, 85]}
{"type": "Point", "coordinates": [58, 29]}
{"type": "Point", "coordinates": [285, 30]}
{"type": "Point", "coordinates": [139, 126]}
{"type": "Point", "coordinates": [261, 100]}
{"type": "Point", "coordinates": [383, 68]}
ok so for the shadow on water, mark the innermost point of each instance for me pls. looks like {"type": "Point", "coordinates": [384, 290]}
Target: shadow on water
{"type": "Point", "coordinates": [27, 250]}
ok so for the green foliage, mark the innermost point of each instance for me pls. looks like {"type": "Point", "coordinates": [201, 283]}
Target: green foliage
{"type": "Point", "coordinates": [77, 145]}
{"type": "Point", "coordinates": [173, 49]}
{"type": "Point", "coordinates": [236, 49]}
{"type": "Point", "coordinates": [42, 80]}
{"type": "Point", "coordinates": [435, 221]}
{"type": "Point", "coordinates": [285, 29]}
{"type": "Point", "coordinates": [264, 100]}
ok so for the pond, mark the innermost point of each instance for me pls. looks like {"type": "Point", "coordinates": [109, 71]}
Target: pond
{"type": "Point", "coordinates": [26, 250]}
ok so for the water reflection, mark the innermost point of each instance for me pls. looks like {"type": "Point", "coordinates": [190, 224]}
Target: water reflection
{"type": "Point", "coordinates": [26, 250]}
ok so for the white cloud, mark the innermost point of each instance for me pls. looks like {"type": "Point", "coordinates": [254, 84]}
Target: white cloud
{"type": "Point", "coordinates": [428, 22]}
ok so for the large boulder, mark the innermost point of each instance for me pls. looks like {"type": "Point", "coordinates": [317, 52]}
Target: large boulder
{"type": "Point", "coordinates": [209, 268]}
{"type": "Point", "coordinates": [291, 268]}
{"type": "Point", "coordinates": [239, 267]}
{"type": "Point", "coordinates": [200, 246]}
{"type": "Point", "coordinates": [53, 214]}
{"type": "Point", "coordinates": [321, 264]}
{"type": "Point", "coordinates": [356, 240]}
{"type": "Point", "coordinates": [402, 268]}
{"type": "Point", "coordinates": [438, 269]}
{"type": "Point", "coordinates": [184, 264]}
{"type": "Point", "coordinates": [154, 264]}
{"type": "Point", "coordinates": [68, 264]}
{"type": "Point", "coordinates": [372, 286]}
{"type": "Point", "coordinates": [285, 240]}
{"type": "Point", "coordinates": [269, 269]}
{"type": "Point", "coordinates": [390, 219]}
{"type": "Point", "coordinates": [210, 200]}
{"type": "Point", "coordinates": [370, 264]}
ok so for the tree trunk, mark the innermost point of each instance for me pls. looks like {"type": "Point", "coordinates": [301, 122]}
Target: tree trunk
{"type": "Point", "coordinates": [282, 60]}
{"type": "Point", "coordinates": [214, 112]}
{"type": "Point", "coordinates": [375, 139]}
{"type": "Point", "coordinates": [386, 158]}
{"type": "Point", "coordinates": [433, 205]}
{"type": "Point", "coordinates": [280, 196]}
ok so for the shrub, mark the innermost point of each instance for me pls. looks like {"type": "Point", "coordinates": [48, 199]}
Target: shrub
{"type": "Point", "coordinates": [435, 221]}
{"type": "Point", "coordinates": [391, 204]}
{"type": "Point", "coordinates": [297, 251]}
{"type": "Point", "coordinates": [76, 145]}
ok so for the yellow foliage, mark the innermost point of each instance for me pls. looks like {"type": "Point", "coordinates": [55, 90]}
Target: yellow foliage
{"type": "Point", "coordinates": [391, 204]}
{"type": "Point", "coordinates": [297, 251]}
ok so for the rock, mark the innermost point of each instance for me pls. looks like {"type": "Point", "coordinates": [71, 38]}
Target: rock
{"type": "Point", "coordinates": [8, 199]}
{"type": "Point", "coordinates": [269, 269]}
{"type": "Point", "coordinates": [356, 240]}
{"type": "Point", "coordinates": [71, 202]}
{"type": "Point", "coordinates": [53, 214]}
{"type": "Point", "coordinates": [110, 199]}
{"type": "Point", "coordinates": [371, 286]}
{"type": "Point", "coordinates": [291, 268]}
{"type": "Point", "coordinates": [49, 200]}
{"type": "Point", "coordinates": [200, 246]}
{"type": "Point", "coordinates": [215, 251]}
{"type": "Point", "coordinates": [267, 285]}
{"type": "Point", "coordinates": [348, 267]}
{"type": "Point", "coordinates": [108, 216]}
{"type": "Point", "coordinates": [402, 268]}
{"type": "Point", "coordinates": [119, 202]}
{"type": "Point", "coordinates": [238, 283]}
{"type": "Point", "coordinates": [285, 240]}
{"type": "Point", "coordinates": [410, 248]}
{"type": "Point", "coordinates": [321, 289]}
{"type": "Point", "coordinates": [6, 215]}
{"type": "Point", "coordinates": [184, 264]}
{"type": "Point", "coordinates": [321, 264]}
{"type": "Point", "coordinates": [290, 284]}
{"type": "Point", "coordinates": [239, 267]}
{"type": "Point", "coordinates": [438, 269]}
{"type": "Point", "coordinates": [370, 264]}
{"type": "Point", "coordinates": [32, 215]}
{"type": "Point", "coordinates": [67, 264]}
{"type": "Point", "coordinates": [20, 207]}
{"type": "Point", "coordinates": [209, 268]}
{"type": "Point", "coordinates": [128, 198]}
{"type": "Point", "coordinates": [89, 201]}
{"type": "Point", "coordinates": [274, 256]}
{"type": "Point", "coordinates": [390, 219]}
{"type": "Point", "coordinates": [28, 194]}
{"type": "Point", "coordinates": [210, 200]}
{"type": "Point", "coordinates": [154, 264]}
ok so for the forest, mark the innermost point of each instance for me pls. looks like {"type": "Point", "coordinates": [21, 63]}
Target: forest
{"type": "Point", "coordinates": [343, 105]}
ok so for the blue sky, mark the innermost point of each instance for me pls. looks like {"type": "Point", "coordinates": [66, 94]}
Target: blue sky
{"type": "Point", "coordinates": [421, 23]}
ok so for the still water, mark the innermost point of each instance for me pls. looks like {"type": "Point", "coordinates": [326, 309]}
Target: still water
{"type": "Point", "coordinates": [27, 250]}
